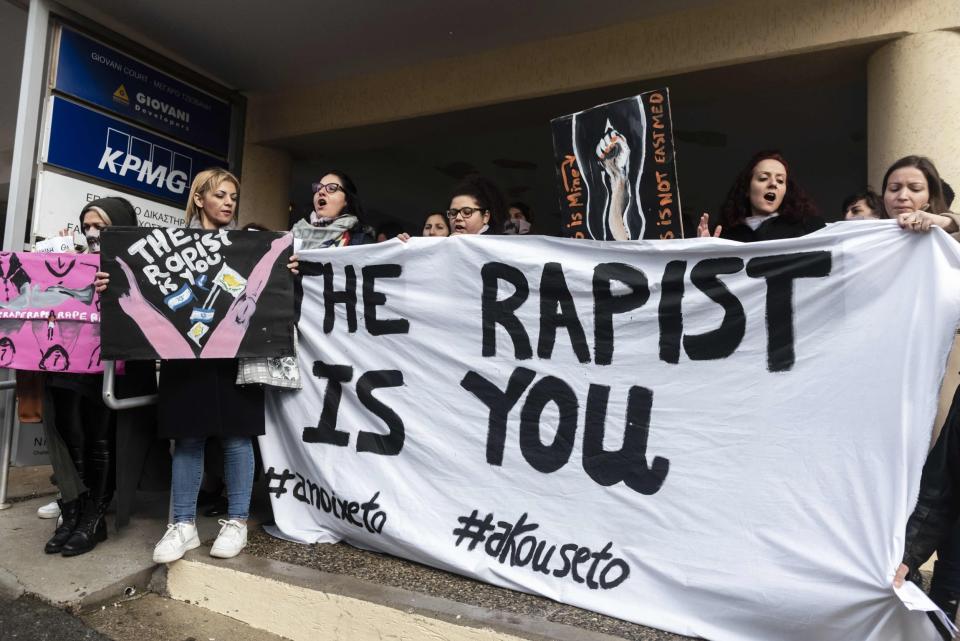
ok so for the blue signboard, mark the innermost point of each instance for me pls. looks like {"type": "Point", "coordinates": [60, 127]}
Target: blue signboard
{"type": "Point", "coordinates": [88, 142]}
{"type": "Point", "coordinates": [116, 82]}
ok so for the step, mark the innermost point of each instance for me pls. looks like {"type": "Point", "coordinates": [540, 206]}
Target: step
{"type": "Point", "coordinates": [120, 566]}
{"type": "Point", "coordinates": [154, 618]}
{"type": "Point", "coordinates": [296, 591]}
{"type": "Point", "coordinates": [371, 596]}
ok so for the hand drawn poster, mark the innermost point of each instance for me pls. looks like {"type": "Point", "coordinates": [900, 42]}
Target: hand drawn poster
{"type": "Point", "coordinates": [189, 293]}
{"type": "Point", "coordinates": [49, 312]}
{"type": "Point", "coordinates": [676, 434]}
{"type": "Point", "coordinates": [617, 172]}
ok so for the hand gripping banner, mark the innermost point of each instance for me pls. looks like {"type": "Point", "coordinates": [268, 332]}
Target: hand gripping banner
{"type": "Point", "coordinates": [723, 440]}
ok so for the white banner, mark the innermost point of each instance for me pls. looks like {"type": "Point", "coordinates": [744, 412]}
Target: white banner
{"type": "Point", "coordinates": [717, 439]}
{"type": "Point", "coordinates": [60, 198]}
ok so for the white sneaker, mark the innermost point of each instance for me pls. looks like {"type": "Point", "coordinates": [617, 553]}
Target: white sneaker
{"type": "Point", "coordinates": [232, 539]}
{"type": "Point", "coordinates": [49, 511]}
{"type": "Point", "coordinates": [180, 538]}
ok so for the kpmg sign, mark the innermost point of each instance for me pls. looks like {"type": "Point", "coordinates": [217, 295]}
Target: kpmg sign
{"type": "Point", "coordinates": [114, 81]}
{"type": "Point", "coordinates": [87, 142]}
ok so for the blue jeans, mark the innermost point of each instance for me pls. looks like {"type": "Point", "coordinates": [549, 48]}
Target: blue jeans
{"type": "Point", "coordinates": [188, 472]}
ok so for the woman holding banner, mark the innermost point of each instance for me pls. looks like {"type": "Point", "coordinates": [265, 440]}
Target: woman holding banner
{"type": "Point", "coordinates": [764, 203]}
{"type": "Point", "coordinates": [336, 219]}
{"type": "Point", "coordinates": [913, 193]}
{"type": "Point", "coordinates": [82, 430]}
{"type": "Point", "coordinates": [200, 399]}
{"type": "Point", "coordinates": [476, 207]}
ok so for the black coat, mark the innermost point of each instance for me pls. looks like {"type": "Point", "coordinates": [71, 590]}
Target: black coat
{"type": "Point", "coordinates": [776, 228]}
{"type": "Point", "coordinates": [938, 505]}
{"type": "Point", "coordinates": [201, 398]}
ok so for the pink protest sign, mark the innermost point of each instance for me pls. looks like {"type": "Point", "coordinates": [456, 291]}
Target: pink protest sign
{"type": "Point", "coordinates": [49, 312]}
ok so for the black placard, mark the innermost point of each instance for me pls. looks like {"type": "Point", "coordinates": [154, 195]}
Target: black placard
{"type": "Point", "coordinates": [189, 293]}
{"type": "Point", "coordinates": [616, 170]}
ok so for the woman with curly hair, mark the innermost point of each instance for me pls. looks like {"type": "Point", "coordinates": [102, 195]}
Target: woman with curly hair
{"type": "Point", "coordinates": [765, 203]}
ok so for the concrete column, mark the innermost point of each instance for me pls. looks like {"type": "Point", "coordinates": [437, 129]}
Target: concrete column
{"type": "Point", "coordinates": [913, 93]}
{"type": "Point", "coordinates": [265, 187]}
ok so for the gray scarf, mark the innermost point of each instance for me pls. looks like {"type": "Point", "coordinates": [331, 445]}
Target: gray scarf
{"type": "Point", "coordinates": [321, 236]}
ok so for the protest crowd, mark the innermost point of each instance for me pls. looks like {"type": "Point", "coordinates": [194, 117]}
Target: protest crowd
{"type": "Point", "coordinates": [210, 410]}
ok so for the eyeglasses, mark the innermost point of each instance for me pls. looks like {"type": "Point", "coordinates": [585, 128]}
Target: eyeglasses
{"type": "Point", "coordinates": [330, 188]}
{"type": "Point", "coordinates": [466, 212]}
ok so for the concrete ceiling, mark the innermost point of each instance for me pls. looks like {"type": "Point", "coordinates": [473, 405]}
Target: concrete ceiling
{"type": "Point", "coordinates": [253, 45]}
{"type": "Point", "coordinates": [720, 117]}
{"type": "Point", "coordinates": [702, 90]}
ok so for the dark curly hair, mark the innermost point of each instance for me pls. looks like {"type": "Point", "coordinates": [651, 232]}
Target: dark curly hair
{"type": "Point", "coordinates": [488, 196]}
{"type": "Point", "coordinates": [869, 196]}
{"type": "Point", "coordinates": [938, 203]}
{"type": "Point", "coordinates": [796, 204]}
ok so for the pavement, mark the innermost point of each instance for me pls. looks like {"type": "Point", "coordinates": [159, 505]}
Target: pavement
{"type": "Point", "coordinates": [101, 596]}
{"type": "Point", "coordinates": [154, 618]}
{"type": "Point", "coordinates": [121, 565]}
{"type": "Point", "coordinates": [146, 618]}
{"type": "Point", "coordinates": [30, 619]}
{"type": "Point", "coordinates": [110, 588]}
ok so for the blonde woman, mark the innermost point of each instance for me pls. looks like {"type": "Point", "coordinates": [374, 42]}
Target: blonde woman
{"type": "Point", "coordinates": [200, 399]}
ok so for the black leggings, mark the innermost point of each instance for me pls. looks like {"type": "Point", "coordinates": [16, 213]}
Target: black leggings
{"type": "Point", "coordinates": [88, 429]}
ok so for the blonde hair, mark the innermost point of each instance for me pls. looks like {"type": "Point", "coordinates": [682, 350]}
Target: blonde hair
{"type": "Point", "coordinates": [205, 181]}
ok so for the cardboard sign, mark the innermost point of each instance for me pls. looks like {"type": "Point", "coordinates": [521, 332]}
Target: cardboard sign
{"type": "Point", "coordinates": [189, 293]}
{"type": "Point", "coordinates": [616, 170]}
{"type": "Point", "coordinates": [49, 312]}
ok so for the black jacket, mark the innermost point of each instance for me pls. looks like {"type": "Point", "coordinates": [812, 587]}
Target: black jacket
{"type": "Point", "coordinates": [776, 228]}
{"type": "Point", "coordinates": [201, 398]}
{"type": "Point", "coordinates": [939, 502]}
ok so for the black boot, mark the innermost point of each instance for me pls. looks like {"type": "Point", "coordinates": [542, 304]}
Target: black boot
{"type": "Point", "coordinates": [91, 528]}
{"type": "Point", "coordinates": [70, 511]}
{"type": "Point", "coordinates": [946, 600]}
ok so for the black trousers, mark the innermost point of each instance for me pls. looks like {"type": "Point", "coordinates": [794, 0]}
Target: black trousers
{"type": "Point", "coordinates": [87, 428]}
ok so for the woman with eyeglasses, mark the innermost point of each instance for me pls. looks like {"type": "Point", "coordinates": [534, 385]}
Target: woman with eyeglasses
{"type": "Point", "coordinates": [476, 207]}
{"type": "Point", "coordinates": [336, 217]}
